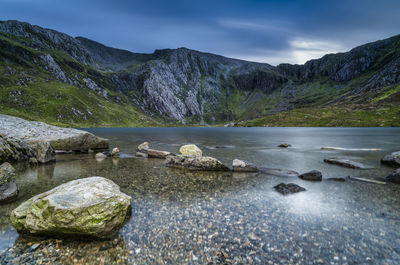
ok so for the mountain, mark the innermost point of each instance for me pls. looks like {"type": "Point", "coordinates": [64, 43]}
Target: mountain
{"type": "Point", "coordinates": [50, 76]}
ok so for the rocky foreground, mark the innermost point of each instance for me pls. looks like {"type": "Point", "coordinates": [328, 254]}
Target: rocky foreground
{"type": "Point", "coordinates": [87, 208]}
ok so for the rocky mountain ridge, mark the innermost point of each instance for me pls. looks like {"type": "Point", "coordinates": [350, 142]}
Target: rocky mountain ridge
{"type": "Point", "coordinates": [183, 85]}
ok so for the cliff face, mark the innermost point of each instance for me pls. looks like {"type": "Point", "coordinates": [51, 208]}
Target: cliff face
{"type": "Point", "coordinates": [185, 85]}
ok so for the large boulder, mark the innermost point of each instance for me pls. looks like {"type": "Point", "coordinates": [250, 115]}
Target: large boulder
{"type": "Point", "coordinates": [59, 138]}
{"type": "Point", "coordinates": [345, 163]}
{"type": "Point", "coordinates": [13, 149]}
{"type": "Point", "coordinates": [85, 208]}
{"type": "Point", "coordinates": [313, 175]}
{"type": "Point", "coordinates": [8, 188]}
{"type": "Point", "coordinates": [242, 166]}
{"type": "Point", "coordinates": [205, 163]}
{"type": "Point", "coordinates": [190, 150]}
{"type": "Point", "coordinates": [394, 176]}
{"type": "Point", "coordinates": [142, 149]}
{"type": "Point", "coordinates": [392, 160]}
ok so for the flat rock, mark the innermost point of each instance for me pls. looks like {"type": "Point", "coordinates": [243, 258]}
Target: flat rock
{"type": "Point", "coordinates": [345, 163]}
{"type": "Point", "coordinates": [285, 145]}
{"type": "Point", "coordinates": [151, 153]}
{"type": "Point", "coordinates": [313, 175]}
{"type": "Point", "coordinates": [336, 179]}
{"type": "Point", "coordinates": [279, 172]}
{"type": "Point", "coordinates": [289, 188]}
{"type": "Point", "coordinates": [392, 160]}
{"type": "Point", "coordinates": [190, 150]}
{"type": "Point", "coordinates": [205, 163]}
{"type": "Point", "coordinates": [59, 138]}
{"type": "Point", "coordinates": [84, 208]}
{"type": "Point", "coordinates": [394, 176]}
{"type": "Point", "coordinates": [242, 166]}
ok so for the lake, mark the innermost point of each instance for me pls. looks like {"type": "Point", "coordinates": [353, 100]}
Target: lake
{"type": "Point", "coordinates": [184, 217]}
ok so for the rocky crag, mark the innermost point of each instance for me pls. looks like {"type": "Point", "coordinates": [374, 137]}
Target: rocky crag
{"type": "Point", "coordinates": [48, 75]}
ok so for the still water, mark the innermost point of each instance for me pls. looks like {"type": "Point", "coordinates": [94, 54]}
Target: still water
{"type": "Point", "coordinates": [182, 217]}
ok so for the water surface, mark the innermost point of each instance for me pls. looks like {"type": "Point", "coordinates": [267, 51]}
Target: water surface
{"type": "Point", "coordinates": [182, 217]}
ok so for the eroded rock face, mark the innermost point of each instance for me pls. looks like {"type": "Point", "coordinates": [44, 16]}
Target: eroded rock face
{"type": "Point", "coordinates": [87, 208]}
{"type": "Point", "coordinates": [13, 149]}
{"type": "Point", "coordinates": [392, 160]}
{"type": "Point", "coordinates": [190, 150]}
{"type": "Point", "coordinates": [242, 166]}
{"type": "Point", "coordinates": [345, 163]}
{"type": "Point", "coordinates": [59, 138]}
{"type": "Point", "coordinates": [205, 163]}
{"type": "Point", "coordinates": [313, 175]}
{"type": "Point", "coordinates": [394, 176]}
{"type": "Point", "coordinates": [8, 187]}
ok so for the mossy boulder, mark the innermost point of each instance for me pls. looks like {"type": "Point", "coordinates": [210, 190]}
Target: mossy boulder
{"type": "Point", "coordinates": [85, 208]}
{"type": "Point", "coordinates": [190, 150]}
{"type": "Point", "coordinates": [205, 163]}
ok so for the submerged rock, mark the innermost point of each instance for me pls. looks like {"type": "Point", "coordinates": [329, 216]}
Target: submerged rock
{"type": "Point", "coordinates": [8, 188]}
{"type": "Point", "coordinates": [59, 138]}
{"type": "Point", "coordinates": [151, 153]}
{"type": "Point", "coordinates": [285, 145]}
{"type": "Point", "coordinates": [394, 176]}
{"type": "Point", "coordinates": [289, 188]}
{"type": "Point", "coordinates": [313, 175]}
{"type": "Point", "coordinates": [345, 163]}
{"type": "Point", "coordinates": [279, 172]}
{"type": "Point", "coordinates": [205, 163]}
{"type": "Point", "coordinates": [336, 179]}
{"type": "Point", "coordinates": [142, 149]}
{"type": "Point", "coordinates": [392, 160]}
{"type": "Point", "coordinates": [190, 150]}
{"type": "Point", "coordinates": [85, 208]}
{"type": "Point", "coordinates": [242, 166]}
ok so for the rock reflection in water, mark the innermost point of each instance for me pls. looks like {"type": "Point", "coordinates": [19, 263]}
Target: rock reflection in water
{"type": "Point", "coordinates": [28, 250]}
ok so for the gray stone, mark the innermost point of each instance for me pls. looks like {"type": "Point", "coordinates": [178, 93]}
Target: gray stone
{"type": "Point", "coordinates": [313, 175]}
{"type": "Point", "coordinates": [44, 152]}
{"type": "Point", "coordinates": [8, 192]}
{"type": "Point", "coordinates": [205, 163]}
{"type": "Point", "coordinates": [85, 208]}
{"type": "Point", "coordinates": [394, 176]}
{"type": "Point", "coordinates": [392, 160]}
{"type": "Point", "coordinates": [151, 153]}
{"type": "Point", "coordinates": [190, 150]}
{"type": "Point", "coordinates": [142, 149]}
{"type": "Point", "coordinates": [289, 188]}
{"type": "Point", "coordinates": [242, 166]}
{"type": "Point", "coordinates": [345, 163]}
{"type": "Point", "coordinates": [59, 138]}
{"type": "Point", "coordinates": [8, 187]}
{"type": "Point", "coordinates": [7, 173]}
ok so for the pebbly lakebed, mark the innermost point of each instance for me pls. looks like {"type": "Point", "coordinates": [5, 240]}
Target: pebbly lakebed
{"type": "Point", "coordinates": [187, 217]}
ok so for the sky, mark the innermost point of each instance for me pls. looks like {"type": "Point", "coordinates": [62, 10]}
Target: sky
{"type": "Point", "coordinates": [269, 31]}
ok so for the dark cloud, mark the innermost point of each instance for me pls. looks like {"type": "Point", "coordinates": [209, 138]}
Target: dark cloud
{"type": "Point", "coordinates": [261, 30]}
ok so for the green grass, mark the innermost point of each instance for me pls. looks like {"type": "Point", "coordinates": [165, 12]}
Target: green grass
{"type": "Point", "coordinates": [336, 116]}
